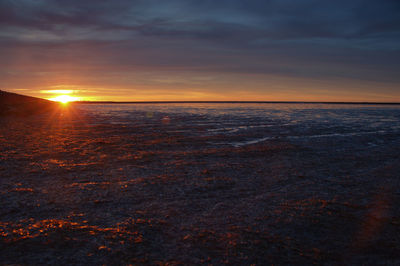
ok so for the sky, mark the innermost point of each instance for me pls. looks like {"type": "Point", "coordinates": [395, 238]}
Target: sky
{"type": "Point", "coordinates": [244, 50]}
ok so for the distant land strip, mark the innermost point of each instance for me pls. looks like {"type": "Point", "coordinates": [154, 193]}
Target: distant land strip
{"type": "Point", "coordinates": [255, 102]}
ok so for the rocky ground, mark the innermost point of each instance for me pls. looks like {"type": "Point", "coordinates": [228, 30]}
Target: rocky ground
{"type": "Point", "coordinates": [77, 190]}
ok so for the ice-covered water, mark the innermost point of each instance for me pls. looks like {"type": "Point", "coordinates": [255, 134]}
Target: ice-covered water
{"type": "Point", "coordinates": [244, 123]}
{"type": "Point", "coordinates": [190, 184]}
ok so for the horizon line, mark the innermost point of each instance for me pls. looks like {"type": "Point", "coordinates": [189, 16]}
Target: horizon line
{"type": "Point", "coordinates": [227, 101]}
{"type": "Point", "coordinates": [275, 102]}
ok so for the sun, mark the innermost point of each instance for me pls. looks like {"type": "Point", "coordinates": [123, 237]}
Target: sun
{"type": "Point", "coordinates": [64, 99]}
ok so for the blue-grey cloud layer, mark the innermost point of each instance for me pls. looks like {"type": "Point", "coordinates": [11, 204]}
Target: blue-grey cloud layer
{"type": "Point", "coordinates": [310, 39]}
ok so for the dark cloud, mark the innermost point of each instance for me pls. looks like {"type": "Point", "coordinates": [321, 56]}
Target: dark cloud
{"type": "Point", "coordinates": [268, 19]}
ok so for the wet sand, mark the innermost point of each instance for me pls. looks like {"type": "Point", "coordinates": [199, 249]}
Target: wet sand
{"type": "Point", "coordinates": [77, 190]}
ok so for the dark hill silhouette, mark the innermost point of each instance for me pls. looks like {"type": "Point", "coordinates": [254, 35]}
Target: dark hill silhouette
{"type": "Point", "coordinates": [21, 105]}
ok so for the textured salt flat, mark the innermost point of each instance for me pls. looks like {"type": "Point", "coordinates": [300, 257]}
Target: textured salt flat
{"type": "Point", "coordinates": [201, 184]}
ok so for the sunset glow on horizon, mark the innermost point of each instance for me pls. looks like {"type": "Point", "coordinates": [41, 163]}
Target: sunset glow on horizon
{"type": "Point", "coordinates": [64, 99]}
